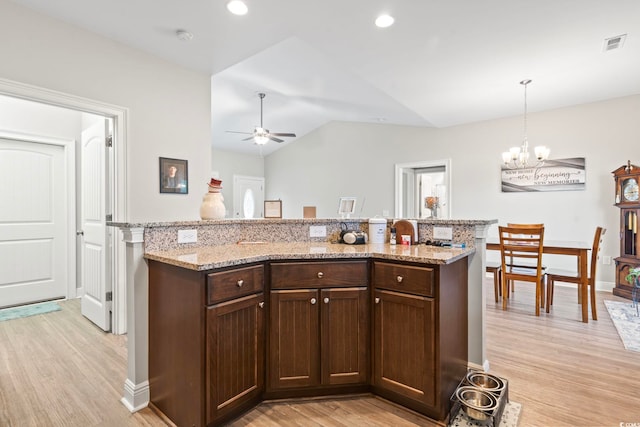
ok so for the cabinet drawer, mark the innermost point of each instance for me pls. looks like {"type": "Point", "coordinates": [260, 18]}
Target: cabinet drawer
{"type": "Point", "coordinates": [404, 278]}
{"type": "Point", "coordinates": [229, 284]}
{"type": "Point", "coordinates": [292, 275]}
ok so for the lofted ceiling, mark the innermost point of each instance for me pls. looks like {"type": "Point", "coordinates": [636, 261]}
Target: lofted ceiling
{"type": "Point", "coordinates": [442, 63]}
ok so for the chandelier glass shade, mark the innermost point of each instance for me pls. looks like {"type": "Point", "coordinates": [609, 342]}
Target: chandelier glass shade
{"type": "Point", "coordinates": [518, 157]}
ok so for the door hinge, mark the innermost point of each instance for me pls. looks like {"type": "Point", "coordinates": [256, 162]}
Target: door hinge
{"type": "Point", "coordinates": [109, 141]}
{"type": "Point", "coordinates": [109, 217]}
{"type": "Point", "coordinates": [109, 296]}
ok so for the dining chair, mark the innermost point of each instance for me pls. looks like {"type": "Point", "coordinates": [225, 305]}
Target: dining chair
{"type": "Point", "coordinates": [495, 268]}
{"type": "Point", "coordinates": [512, 288]}
{"type": "Point", "coordinates": [522, 246]}
{"type": "Point", "coordinates": [571, 276]}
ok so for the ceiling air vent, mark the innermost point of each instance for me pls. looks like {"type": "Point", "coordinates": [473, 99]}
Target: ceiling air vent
{"type": "Point", "coordinates": [614, 42]}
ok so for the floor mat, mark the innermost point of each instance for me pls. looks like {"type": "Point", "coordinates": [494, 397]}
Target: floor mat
{"type": "Point", "coordinates": [28, 310]}
{"type": "Point", "coordinates": [510, 417]}
{"type": "Point", "coordinates": [627, 323]}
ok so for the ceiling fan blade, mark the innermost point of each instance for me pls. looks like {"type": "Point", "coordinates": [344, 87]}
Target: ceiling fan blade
{"type": "Point", "coordinates": [247, 139]}
{"type": "Point", "coordinates": [234, 131]}
{"type": "Point", "coordinates": [271, 137]}
{"type": "Point", "coordinates": [290, 135]}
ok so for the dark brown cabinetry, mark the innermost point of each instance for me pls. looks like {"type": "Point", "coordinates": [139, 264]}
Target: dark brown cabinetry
{"type": "Point", "coordinates": [319, 325]}
{"type": "Point", "coordinates": [210, 339]}
{"type": "Point", "coordinates": [420, 333]}
{"type": "Point", "coordinates": [206, 342]}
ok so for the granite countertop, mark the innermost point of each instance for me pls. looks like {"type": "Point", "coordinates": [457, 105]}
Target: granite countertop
{"type": "Point", "coordinates": [210, 257]}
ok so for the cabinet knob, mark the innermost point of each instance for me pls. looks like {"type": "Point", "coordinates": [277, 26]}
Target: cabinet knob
{"type": "Point", "coordinates": [313, 301]}
{"type": "Point", "coordinates": [399, 279]}
{"type": "Point", "coordinates": [320, 274]}
{"type": "Point", "coordinates": [261, 304]}
{"type": "Point", "coordinates": [240, 283]}
{"type": "Point", "coordinates": [326, 300]}
{"type": "Point", "coordinates": [377, 300]}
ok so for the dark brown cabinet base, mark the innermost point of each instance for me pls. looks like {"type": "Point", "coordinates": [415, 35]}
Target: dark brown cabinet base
{"type": "Point", "coordinates": [333, 327]}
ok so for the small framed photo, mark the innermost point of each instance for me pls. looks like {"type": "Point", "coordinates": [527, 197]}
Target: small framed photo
{"type": "Point", "coordinates": [174, 176]}
{"type": "Point", "coordinates": [273, 208]}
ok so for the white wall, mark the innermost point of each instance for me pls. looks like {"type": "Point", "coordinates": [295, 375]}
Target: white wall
{"type": "Point", "coordinates": [227, 164]}
{"type": "Point", "coordinates": [343, 159]}
{"type": "Point", "coordinates": [169, 106]}
{"type": "Point", "coordinates": [358, 159]}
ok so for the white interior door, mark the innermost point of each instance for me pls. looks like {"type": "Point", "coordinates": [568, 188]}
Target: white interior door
{"type": "Point", "coordinates": [248, 196]}
{"type": "Point", "coordinates": [94, 234]}
{"type": "Point", "coordinates": [34, 233]}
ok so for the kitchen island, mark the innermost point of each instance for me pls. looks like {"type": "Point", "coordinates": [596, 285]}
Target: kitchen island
{"type": "Point", "coordinates": [149, 243]}
{"type": "Point", "coordinates": [231, 325]}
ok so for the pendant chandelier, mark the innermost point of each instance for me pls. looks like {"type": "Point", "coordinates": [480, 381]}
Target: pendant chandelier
{"type": "Point", "coordinates": [518, 157]}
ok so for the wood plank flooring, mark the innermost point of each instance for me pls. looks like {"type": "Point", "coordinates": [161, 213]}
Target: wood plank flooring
{"type": "Point", "coordinates": [57, 369]}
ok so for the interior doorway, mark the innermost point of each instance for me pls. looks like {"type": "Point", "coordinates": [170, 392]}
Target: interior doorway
{"type": "Point", "coordinates": [423, 189]}
{"type": "Point", "coordinates": [115, 192]}
{"type": "Point", "coordinates": [248, 196]}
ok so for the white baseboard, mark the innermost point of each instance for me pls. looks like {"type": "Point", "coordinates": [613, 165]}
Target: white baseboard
{"type": "Point", "coordinates": [136, 396]}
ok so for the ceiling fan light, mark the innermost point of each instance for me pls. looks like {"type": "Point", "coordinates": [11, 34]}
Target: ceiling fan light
{"type": "Point", "coordinates": [261, 139]}
{"type": "Point", "coordinates": [237, 7]}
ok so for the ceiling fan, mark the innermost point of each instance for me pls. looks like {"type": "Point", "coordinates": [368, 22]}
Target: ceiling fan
{"type": "Point", "coordinates": [261, 135]}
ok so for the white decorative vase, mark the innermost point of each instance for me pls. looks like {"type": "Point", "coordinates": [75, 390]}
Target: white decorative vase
{"type": "Point", "coordinates": [212, 206]}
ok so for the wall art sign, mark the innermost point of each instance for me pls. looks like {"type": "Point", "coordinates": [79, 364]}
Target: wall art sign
{"type": "Point", "coordinates": [553, 175]}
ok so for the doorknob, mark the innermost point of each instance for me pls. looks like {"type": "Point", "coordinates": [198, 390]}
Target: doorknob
{"type": "Point", "coordinates": [79, 233]}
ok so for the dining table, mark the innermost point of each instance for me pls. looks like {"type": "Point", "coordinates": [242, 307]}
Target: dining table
{"type": "Point", "coordinates": [578, 249]}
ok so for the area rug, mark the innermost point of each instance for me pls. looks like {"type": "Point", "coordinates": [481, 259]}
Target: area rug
{"type": "Point", "coordinates": [28, 310]}
{"type": "Point", "coordinates": [510, 417]}
{"type": "Point", "coordinates": [626, 321]}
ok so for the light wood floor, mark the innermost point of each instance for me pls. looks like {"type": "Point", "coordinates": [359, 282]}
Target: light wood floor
{"type": "Point", "coordinates": [57, 369]}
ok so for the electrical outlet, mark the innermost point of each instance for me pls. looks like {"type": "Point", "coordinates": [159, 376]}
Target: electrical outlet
{"type": "Point", "coordinates": [187, 236]}
{"type": "Point", "coordinates": [317, 231]}
{"type": "Point", "coordinates": [606, 260]}
{"type": "Point", "coordinates": [443, 233]}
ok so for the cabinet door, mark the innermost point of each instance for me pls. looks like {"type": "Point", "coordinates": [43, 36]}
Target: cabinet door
{"type": "Point", "coordinates": [293, 339]}
{"type": "Point", "coordinates": [344, 336]}
{"type": "Point", "coordinates": [235, 355]}
{"type": "Point", "coordinates": [404, 348]}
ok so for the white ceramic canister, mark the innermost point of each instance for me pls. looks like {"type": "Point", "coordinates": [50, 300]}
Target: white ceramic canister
{"type": "Point", "coordinates": [377, 230]}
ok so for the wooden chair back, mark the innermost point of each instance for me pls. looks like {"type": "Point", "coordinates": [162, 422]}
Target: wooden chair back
{"type": "Point", "coordinates": [595, 254]}
{"type": "Point", "coordinates": [522, 245]}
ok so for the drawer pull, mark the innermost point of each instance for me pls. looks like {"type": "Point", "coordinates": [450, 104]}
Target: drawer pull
{"type": "Point", "coordinates": [377, 300]}
{"type": "Point", "coordinates": [320, 274]}
{"type": "Point", "coordinates": [326, 300]}
{"type": "Point", "coordinates": [261, 304]}
{"type": "Point", "coordinates": [399, 279]}
{"type": "Point", "coordinates": [313, 301]}
{"type": "Point", "coordinates": [240, 283]}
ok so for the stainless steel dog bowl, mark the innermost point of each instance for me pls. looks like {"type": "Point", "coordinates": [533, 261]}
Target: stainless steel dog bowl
{"type": "Point", "coordinates": [486, 382]}
{"type": "Point", "coordinates": [476, 403]}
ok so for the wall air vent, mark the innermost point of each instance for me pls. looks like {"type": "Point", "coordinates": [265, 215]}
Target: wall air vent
{"type": "Point", "coordinates": [614, 42]}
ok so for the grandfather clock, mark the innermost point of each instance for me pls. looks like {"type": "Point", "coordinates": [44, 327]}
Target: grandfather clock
{"type": "Point", "coordinates": [627, 179]}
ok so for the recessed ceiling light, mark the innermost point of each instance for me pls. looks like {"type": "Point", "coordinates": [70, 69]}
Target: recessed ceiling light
{"type": "Point", "coordinates": [384, 21]}
{"type": "Point", "coordinates": [183, 35]}
{"type": "Point", "coordinates": [237, 7]}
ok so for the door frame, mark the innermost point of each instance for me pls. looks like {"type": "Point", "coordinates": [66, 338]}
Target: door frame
{"type": "Point", "coordinates": [120, 117]}
{"type": "Point", "coordinates": [401, 187]}
{"type": "Point", "coordinates": [236, 196]}
{"type": "Point", "coordinates": [69, 148]}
